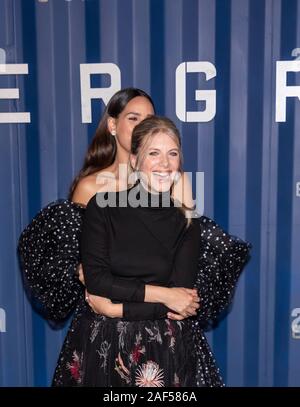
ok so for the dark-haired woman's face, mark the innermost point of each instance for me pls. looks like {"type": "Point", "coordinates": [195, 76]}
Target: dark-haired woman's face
{"type": "Point", "coordinates": [135, 111]}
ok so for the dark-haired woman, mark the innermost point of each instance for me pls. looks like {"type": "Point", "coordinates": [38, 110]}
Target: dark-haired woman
{"type": "Point", "coordinates": [107, 156]}
{"type": "Point", "coordinates": [49, 246]}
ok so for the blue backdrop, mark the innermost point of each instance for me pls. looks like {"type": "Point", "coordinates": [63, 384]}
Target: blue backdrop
{"type": "Point", "coordinates": [247, 150]}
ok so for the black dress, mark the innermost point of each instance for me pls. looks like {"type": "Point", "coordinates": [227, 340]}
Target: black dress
{"type": "Point", "coordinates": [143, 348]}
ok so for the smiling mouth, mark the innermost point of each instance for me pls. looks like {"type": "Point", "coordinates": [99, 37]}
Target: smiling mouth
{"type": "Point", "coordinates": [162, 176]}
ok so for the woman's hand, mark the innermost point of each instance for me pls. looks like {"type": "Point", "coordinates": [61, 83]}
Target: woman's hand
{"type": "Point", "coordinates": [104, 306]}
{"type": "Point", "coordinates": [79, 272]}
{"type": "Point", "coordinates": [184, 301]}
{"type": "Point", "coordinates": [175, 317]}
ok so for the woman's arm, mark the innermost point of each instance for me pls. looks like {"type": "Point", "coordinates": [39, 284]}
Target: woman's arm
{"type": "Point", "coordinates": [221, 261]}
{"type": "Point", "coordinates": [134, 311]}
{"type": "Point", "coordinates": [49, 269]}
{"type": "Point", "coordinates": [130, 311]}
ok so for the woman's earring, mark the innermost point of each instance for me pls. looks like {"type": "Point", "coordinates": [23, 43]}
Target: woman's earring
{"type": "Point", "coordinates": [113, 133]}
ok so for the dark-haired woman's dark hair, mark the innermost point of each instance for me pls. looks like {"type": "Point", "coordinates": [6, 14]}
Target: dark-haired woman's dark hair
{"type": "Point", "coordinates": [102, 150]}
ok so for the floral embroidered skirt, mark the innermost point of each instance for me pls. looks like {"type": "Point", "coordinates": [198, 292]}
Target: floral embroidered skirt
{"type": "Point", "coordinates": [106, 352]}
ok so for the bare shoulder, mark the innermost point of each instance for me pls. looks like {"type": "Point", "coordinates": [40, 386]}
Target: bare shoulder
{"type": "Point", "coordinates": [84, 190]}
{"type": "Point", "coordinates": [87, 187]}
{"type": "Point", "coordinates": [90, 185]}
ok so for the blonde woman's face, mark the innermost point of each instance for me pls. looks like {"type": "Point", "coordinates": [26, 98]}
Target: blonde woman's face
{"type": "Point", "coordinates": [135, 111]}
{"type": "Point", "coordinates": [159, 163]}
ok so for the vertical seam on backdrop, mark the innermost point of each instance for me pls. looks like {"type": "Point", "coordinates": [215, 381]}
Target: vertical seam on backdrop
{"type": "Point", "coordinates": [267, 296]}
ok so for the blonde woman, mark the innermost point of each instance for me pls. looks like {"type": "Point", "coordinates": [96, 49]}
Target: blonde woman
{"type": "Point", "coordinates": [140, 254]}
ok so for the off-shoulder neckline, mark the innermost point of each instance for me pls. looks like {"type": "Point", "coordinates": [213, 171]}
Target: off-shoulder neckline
{"type": "Point", "coordinates": [82, 206]}
{"type": "Point", "coordinates": [62, 201]}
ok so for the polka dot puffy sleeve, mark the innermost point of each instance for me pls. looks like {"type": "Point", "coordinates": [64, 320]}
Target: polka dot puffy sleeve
{"type": "Point", "coordinates": [49, 254]}
{"type": "Point", "coordinates": [221, 261]}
